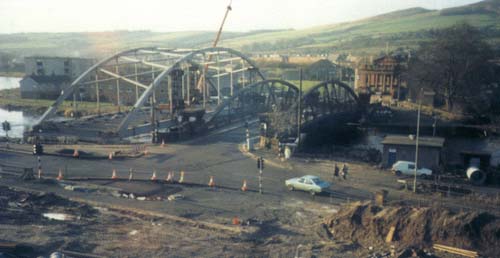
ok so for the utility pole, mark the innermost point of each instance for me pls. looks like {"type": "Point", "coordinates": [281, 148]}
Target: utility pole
{"type": "Point", "coordinates": [248, 138]}
{"type": "Point", "coordinates": [299, 111]}
{"type": "Point", "coordinates": [6, 128]}
{"type": "Point", "coordinates": [260, 166]}
{"type": "Point", "coordinates": [416, 142]}
{"type": "Point", "coordinates": [434, 125]}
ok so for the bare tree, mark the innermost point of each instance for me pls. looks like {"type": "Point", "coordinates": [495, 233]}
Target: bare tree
{"type": "Point", "coordinates": [454, 63]}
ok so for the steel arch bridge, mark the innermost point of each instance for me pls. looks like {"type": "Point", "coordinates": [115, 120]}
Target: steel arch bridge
{"type": "Point", "coordinates": [328, 98]}
{"type": "Point", "coordinates": [278, 100]}
{"type": "Point", "coordinates": [152, 78]}
{"type": "Point", "coordinates": [260, 97]}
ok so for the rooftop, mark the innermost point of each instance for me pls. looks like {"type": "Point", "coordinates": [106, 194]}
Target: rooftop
{"type": "Point", "coordinates": [437, 142]}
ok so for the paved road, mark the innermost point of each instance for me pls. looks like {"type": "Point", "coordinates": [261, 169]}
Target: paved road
{"type": "Point", "coordinates": [216, 155]}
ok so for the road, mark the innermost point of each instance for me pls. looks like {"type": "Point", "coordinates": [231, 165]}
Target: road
{"type": "Point", "coordinates": [215, 155]}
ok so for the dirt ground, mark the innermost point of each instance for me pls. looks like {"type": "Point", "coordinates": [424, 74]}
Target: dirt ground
{"type": "Point", "coordinates": [369, 225]}
{"type": "Point", "coordinates": [112, 232]}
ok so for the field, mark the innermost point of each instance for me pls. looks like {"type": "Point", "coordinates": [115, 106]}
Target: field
{"type": "Point", "coordinates": [11, 99]}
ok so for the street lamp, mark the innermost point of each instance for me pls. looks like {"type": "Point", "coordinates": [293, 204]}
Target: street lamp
{"type": "Point", "coordinates": [416, 142]}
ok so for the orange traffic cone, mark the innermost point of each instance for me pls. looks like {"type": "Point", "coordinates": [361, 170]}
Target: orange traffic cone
{"type": "Point", "coordinates": [211, 183]}
{"type": "Point", "coordinates": [181, 179]}
{"type": "Point", "coordinates": [170, 178]}
{"type": "Point", "coordinates": [236, 220]}
{"type": "Point", "coordinates": [163, 143]}
{"type": "Point", "coordinates": [76, 154]}
{"type": "Point", "coordinates": [114, 176]}
{"type": "Point", "coordinates": [244, 188]}
{"type": "Point", "coordinates": [60, 176]}
{"type": "Point", "coordinates": [153, 177]}
{"type": "Point", "coordinates": [110, 156]}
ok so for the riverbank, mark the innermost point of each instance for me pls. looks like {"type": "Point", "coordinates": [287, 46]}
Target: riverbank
{"type": "Point", "coordinates": [10, 100]}
{"type": "Point", "coordinates": [12, 74]}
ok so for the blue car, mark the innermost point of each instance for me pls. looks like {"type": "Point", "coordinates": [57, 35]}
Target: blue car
{"type": "Point", "coordinates": [309, 183]}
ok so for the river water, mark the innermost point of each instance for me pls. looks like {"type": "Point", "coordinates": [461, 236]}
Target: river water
{"type": "Point", "coordinates": [19, 122]}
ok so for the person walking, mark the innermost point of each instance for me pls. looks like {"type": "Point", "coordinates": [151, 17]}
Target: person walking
{"type": "Point", "coordinates": [336, 171]}
{"type": "Point", "coordinates": [345, 170]}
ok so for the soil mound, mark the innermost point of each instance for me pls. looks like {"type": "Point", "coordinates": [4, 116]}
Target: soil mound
{"type": "Point", "coordinates": [369, 225]}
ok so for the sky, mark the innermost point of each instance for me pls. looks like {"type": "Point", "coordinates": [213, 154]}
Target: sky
{"type": "Point", "coordinates": [187, 15]}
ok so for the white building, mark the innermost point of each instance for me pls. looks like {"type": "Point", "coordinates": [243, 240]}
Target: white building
{"type": "Point", "coordinates": [47, 76]}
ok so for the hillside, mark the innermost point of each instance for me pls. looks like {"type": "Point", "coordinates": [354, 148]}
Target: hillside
{"type": "Point", "coordinates": [404, 28]}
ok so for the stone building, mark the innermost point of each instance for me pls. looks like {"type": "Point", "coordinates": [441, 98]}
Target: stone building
{"type": "Point", "coordinates": [381, 77]}
{"type": "Point", "coordinates": [47, 76]}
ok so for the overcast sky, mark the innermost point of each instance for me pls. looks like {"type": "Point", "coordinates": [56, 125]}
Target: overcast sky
{"type": "Point", "coordinates": [180, 15]}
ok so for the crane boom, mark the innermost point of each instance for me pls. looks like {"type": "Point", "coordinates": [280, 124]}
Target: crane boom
{"type": "Point", "coordinates": [201, 81]}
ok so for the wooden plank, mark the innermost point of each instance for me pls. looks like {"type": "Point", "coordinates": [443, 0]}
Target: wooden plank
{"type": "Point", "coordinates": [454, 250]}
{"type": "Point", "coordinates": [390, 235]}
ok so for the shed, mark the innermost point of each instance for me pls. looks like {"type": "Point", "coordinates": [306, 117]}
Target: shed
{"type": "Point", "coordinates": [402, 147]}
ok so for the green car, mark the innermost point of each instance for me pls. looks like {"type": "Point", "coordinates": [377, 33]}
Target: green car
{"type": "Point", "coordinates": [309, 183]}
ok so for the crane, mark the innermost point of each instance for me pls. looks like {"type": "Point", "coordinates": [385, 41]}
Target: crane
{"type": "Point", "coordinates": [201, 82]}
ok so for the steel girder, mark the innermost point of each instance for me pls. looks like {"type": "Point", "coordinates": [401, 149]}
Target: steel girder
{"type": "Point", "coordinates": [328, 98]}
{"type": "Point", "coordinates": [260, 97]}
{"type": "Point", "coordinates": [162, 62]}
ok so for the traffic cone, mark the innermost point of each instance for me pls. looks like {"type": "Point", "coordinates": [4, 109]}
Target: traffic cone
{"type": "Point", "coordinates": [145, 151]}
{"type": "Point", "coordinates": [76, 154]}
{"type": "Point", "coordinates": [110, 156]}
{"type": "Point", "coordinates": [169, 177]}
{"type": "Point", "coordinates": [113, 176]}
{"type": "Point", "coordinates": [39, 174]}
{"type": "Point", "coordinates": [244, 188]}
{"type": "Point", "coordinates": [211, 183]}
{"type": "Point", "coordinates": [181, 179]}
{"type": "Point", "coordinates": [236, 220]}
{"type": "Point", "coordinates": [153, 177]}
{"type": "Point", "coordinates": [163, 143]}
{"type": "Point", "coordinates": [130, 176]}
{"type": "Point", "coordinates": [60, 176]}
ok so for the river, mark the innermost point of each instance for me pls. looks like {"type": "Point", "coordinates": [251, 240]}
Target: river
{"type": "Point", "coordinates": [18, 120]}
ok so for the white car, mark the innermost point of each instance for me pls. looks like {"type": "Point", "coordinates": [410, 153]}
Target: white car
{"type": "Point", "coordinates": [408, 168]}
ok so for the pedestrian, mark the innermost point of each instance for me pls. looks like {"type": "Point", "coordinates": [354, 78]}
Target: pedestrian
{"type": "Point", "coordinates": [336, 171]}
{"type": "Point", "coordinates": [345, 170]}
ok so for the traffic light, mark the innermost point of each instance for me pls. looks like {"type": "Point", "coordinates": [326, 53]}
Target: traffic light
{"type": "Point", "coordinates": [6, 126]}
{"type": "Point", "coordinates": [37, 149]}
{"type": "Point", "coordinates": [260, 163]}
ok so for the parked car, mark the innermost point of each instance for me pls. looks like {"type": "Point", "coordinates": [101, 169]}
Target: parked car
{"type": "Point", "coordinates": [309, 183]}
{"type": "Point", "coordinates": [408, 168]}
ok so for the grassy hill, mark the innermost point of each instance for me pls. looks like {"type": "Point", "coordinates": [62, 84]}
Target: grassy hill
{"type": "Point", "coordinates": [405, 28]}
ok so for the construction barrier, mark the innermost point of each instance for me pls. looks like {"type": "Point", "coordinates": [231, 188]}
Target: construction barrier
{"type": "Point", "coordinates": [114, 176]}
{"type": "Point", "coordinates": [244, 188]}
{"type": "Point", "coordinates": [181, 179]}
{"type": "Point", "coordinates": [170, 177]}
{"type": "Point", "coordinates": [60, 176]}
{"type": "Point", "coordinates": [211, 183]}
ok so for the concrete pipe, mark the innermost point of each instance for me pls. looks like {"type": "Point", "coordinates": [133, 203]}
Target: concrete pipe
{"type": "Point", "coordinates": [476, 176]}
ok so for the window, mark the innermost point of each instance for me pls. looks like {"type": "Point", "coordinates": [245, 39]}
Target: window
{"type": "Point", "coordinates": [316, 181]}
{"type": "Point", "coordinates": [301, 180]}
{"type": "Point", "coordinates": [411, 166]}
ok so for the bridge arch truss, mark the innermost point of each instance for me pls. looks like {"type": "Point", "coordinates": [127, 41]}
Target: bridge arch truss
{"type": "Point", "coordinates": [149, 78]}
